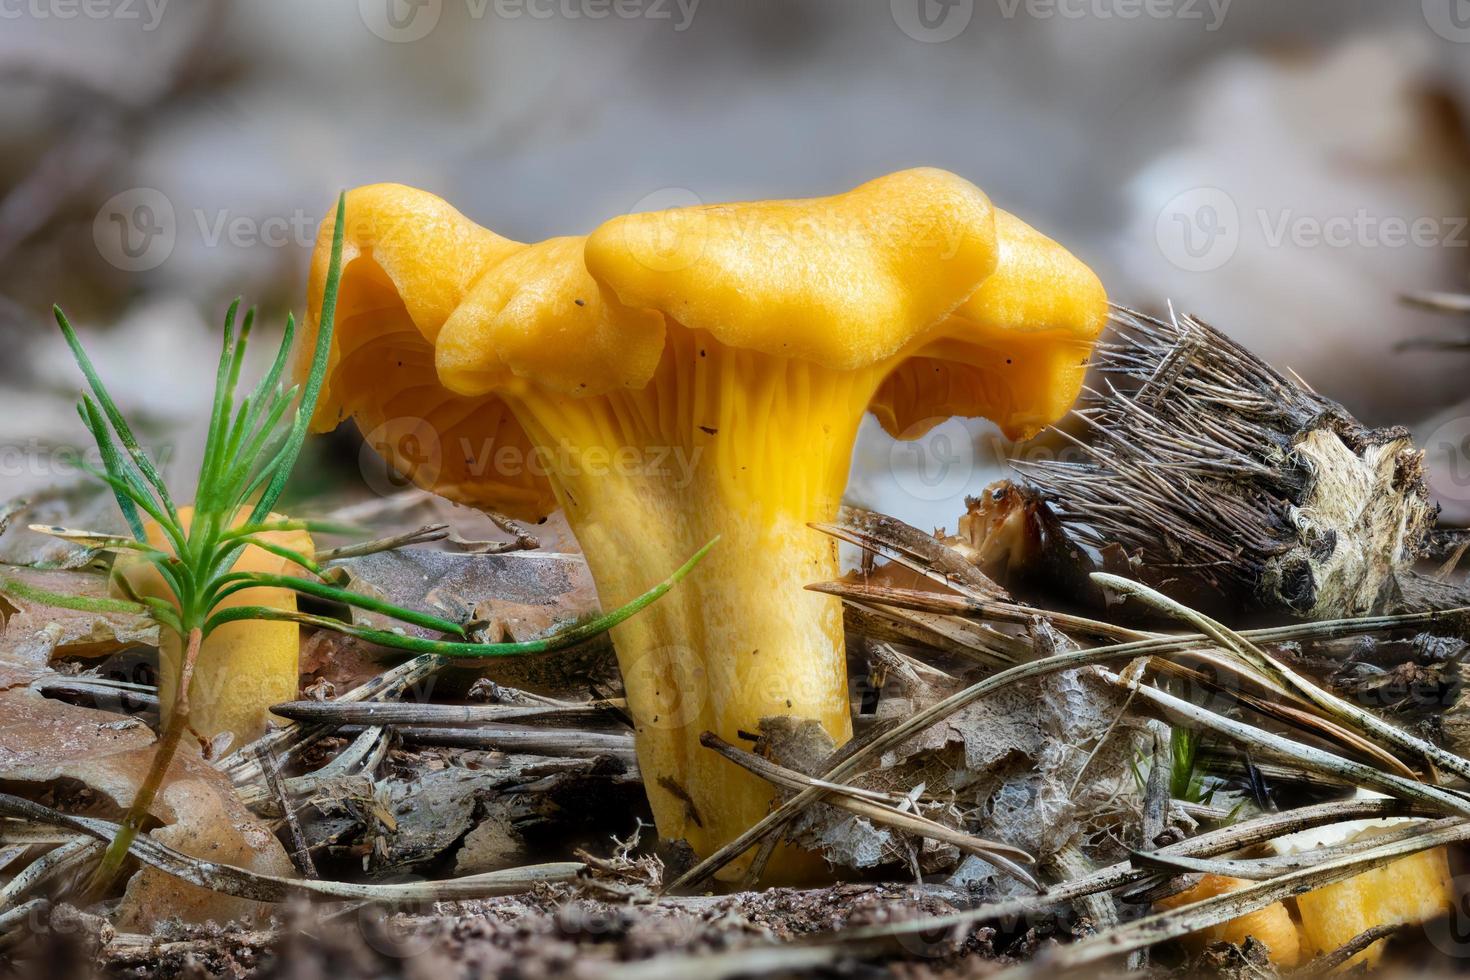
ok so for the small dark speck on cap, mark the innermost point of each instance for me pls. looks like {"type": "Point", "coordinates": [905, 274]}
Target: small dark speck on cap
{"type": "Point", "coordinates": [580, 302]}
{"type": "Point", "coordinates": [708, 429]}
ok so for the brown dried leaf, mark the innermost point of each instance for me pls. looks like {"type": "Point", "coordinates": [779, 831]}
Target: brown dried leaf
{"type": "Point", "coordinates": [33, 632]}
{"type": "Point", "coordinates": [42, 741]}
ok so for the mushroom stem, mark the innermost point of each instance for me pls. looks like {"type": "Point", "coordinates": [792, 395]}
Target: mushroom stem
{"type": "Point", "coordinates": [749, 447]}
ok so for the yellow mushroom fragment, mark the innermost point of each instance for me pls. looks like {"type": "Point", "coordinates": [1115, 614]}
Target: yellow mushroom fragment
{"type": "Point", "coordinates": [1273, 925]}
{"type": "Point", "coordinates": [697, 372]}
{"type": "Point", "coordinates": [1411, 890]}
{"type": "Point", "coordinates": [243, 667]}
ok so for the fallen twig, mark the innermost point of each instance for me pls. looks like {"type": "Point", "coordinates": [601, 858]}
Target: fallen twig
{"type": "Point", "coordinates": [299, 849]}
{"type": "Point", "coordinates": [260, 887]}
{"type": "Point", "coordinates": [380, 713]}
{"type": "Point", "coordinates": [1003, 856]}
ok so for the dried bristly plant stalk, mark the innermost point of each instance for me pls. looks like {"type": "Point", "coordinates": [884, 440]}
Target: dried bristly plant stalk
{"type": "Point", "coordinates": [1207, 466]}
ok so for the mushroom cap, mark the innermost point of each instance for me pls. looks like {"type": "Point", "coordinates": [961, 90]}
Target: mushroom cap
{"type": "Point", "coordinates": [539, 317]}
{"type": "Point", "coordinates": [1015, 351]}
{"type": "Point", "coordinates": [844, 281]}
{"type": "Point", "coordinates": [408, 262]}
{"type": "Point", "coordinates": [971, 311]}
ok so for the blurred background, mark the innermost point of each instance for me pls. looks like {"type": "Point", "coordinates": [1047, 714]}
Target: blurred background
{"type": "Point", "coordinates": [1284, 170]}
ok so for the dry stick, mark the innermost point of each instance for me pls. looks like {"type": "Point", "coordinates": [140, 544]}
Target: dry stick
{"type": "Point", "coordinates": [130, 697]}
{"type": "Point", "coordinates": [1329, 962]}
{"type": "Point", "coordinates": [560, 743]}
{"type": "Point", "coordinates": [971, 608]}
{"type": "Point", "coordinates": [897, 735]}
{"type": "Point", "coordinates": [1099, 907]}
{"type": "Point", "coordinates": [63, 858]}
{"type": "Point", "coordinates": [14, 923]}
{"type": "Point", "coordinates": [22, 834]}
{"type": "Point", "coordinates": [1306, 720]}
{"type": "Point", "coordinates": [421, 535]}
{"type": "Point", "coordinates": [1364, 721]}
{"type": "Point", "coordinates": [757, 869]}
{"type": "Point", "coordinates": [1264, 869]}
{"type": "Point", "coordinates": [890, 738]}
{"type": "Point", "coordinates": [136, 949]}
{"type": "Point", "coordinates": [1309, 757]}
{"type": "Point", "coordinates": [1008, 612]}
{"type": "Point", "coordinates": [10, 853]}
{"type": "Point", "coordinates": [365, 752]}
{"type": "Point", "coordinates": [1002, 856]}
{"type": "Point", "coordinates": [381, 713]}
{"type": "Point", "coordinates": [1156, 791]}
{"type": "Point", "coordinates": [912, 548]}
{"type": "Point", "coordinates": [271, 767]}
{"type": "Point", "coordinates": [242, 766]}
{"type": "Point", "coordinates": [254, 885]}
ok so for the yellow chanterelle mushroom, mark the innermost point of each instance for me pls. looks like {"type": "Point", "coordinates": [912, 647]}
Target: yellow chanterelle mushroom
{"type": "Point", "coordinates": [684, 374]}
